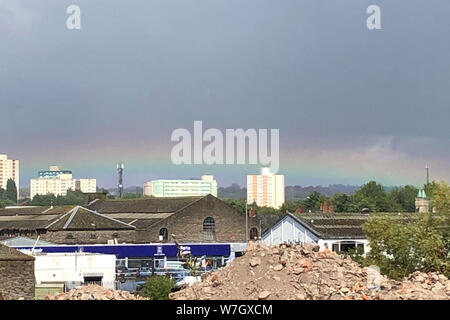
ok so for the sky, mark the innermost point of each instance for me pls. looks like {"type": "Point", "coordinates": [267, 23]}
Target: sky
{"type": "Point", "coordinates": [351, 104]}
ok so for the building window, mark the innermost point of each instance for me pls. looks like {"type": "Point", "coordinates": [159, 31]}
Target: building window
{"type": "Point", "coordinates": [253, 234]}
{"type": "Point", "coordinates": [209, 229]}
{"type": "Point", "coordinates": [163, 234]}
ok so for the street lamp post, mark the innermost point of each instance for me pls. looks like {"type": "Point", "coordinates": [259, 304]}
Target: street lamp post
{"type": "Point", "coordinates": [246, 222]}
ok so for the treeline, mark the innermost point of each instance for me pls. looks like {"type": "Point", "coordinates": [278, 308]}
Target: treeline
{"type": "Point", "coordinates": [73, 197]}
{"type": "Point", "coordinates": [292, 193]}
{"type": "Point", "coordinates": [372, 196]}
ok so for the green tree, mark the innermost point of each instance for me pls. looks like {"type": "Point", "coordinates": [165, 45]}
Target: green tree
{"type": "Point", "coordinates": [429, 188]}
{"type": "Point", "coordinates": [441, 205]}
{"type": "Point", "coordinates": [403, 198]}
{"type": "Point", "coordinates": [313, 201]}
{"type": "Point", "coordinates": [290, 206]}
{"type": "Point", "coordinates": [373, 196]}
{"type": "Point", "coordinates": [72, 197]}
{"type": "Point", "coordinates": [11, 190]}
{"type": "Point", "coordinates": [43, 200]}
{"type": "Point", "coordinates": [4, 201]}
{"type": "Point", "coordinates": [399, 246]}
{"type": "Point", "coordinates": [158, 287]}
{"type": "Point", "coordinates": [441, 198]}
{"type": "Point", "coordinates": [341, 202]}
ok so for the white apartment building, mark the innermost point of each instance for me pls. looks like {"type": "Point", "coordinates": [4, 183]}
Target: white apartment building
{"type": "Point", "coordinates": [266, 189]}
{"type": "Point", "coordinates": [9, 169]}
{"type": "Point", "coordinates": [181, 188]}
{"type": "Point", "coordinates": [57, 182]}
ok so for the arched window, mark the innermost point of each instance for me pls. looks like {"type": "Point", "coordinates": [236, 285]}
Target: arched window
{"type": "Point", "coordinates": [253, 234]}
{"type": "Point", "coordinates": [209, 229]}
{"type": "Point", "coordinates": [163, 234]}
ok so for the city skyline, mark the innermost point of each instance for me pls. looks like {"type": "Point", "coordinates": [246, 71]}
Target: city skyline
{"type": "Point", "coordinates": [251, 170]}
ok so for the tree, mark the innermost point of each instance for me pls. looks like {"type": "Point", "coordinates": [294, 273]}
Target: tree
{"type": "Point", "coordinates": [429, 188]}
{"type": "Point", "coordinates": [158, 287]}
{"type": "Point", "coordinates": [373, 196]}
{"type": "Point", "coordinates": [72, 197]}
{"type": "Point", "coordinates": [441, 198]}
{"type": "Point", "coordinates": [341, 202]}
{"type": "Point", "coordinates": [403, 198]}
{"type": "Point", "coordinates": [399, 247]}
{"type": "Point", "coordinates": [313, 201]}
{"type": "Point", "coordinates": [43, 200]}
{"type": "Point", "coordinates": [11, 190]}
{"type": "Point", "coordinates": [4, 201]}
{"type": "Point", "coordinates": [441, 205]}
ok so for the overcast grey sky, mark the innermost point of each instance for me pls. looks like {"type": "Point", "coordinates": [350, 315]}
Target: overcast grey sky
{"type": "Point", "coordinates": [351, 104]}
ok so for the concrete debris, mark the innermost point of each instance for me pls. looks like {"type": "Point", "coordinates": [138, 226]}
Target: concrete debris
{"type": "Point", "coordinates": [94, 292]}
{"type": "Point", "coordinates": [294, 272]}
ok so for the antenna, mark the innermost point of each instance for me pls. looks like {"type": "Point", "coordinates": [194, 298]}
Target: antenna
{"type": "Point", "coordinates": [120, 168]}
{"type": "Point", "coordinates": [428, 173]}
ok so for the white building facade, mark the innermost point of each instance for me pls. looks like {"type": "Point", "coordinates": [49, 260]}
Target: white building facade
{"type": "Point", "coordinates": [181, 188]}
{"type": "Point", "coordinates": [290, 229]}
{"type": "Point", "coordinates": [9, 169]}
{"type": "Point", "coordinates": [57, 182]}
{"type": "Point", "coordinates": [74, 269]}
{"type": "Point", "coordinates": [266, 189]}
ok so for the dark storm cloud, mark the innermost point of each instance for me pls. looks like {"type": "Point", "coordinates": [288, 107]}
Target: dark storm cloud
{"type": "Point", "coordinates": [139, 69]}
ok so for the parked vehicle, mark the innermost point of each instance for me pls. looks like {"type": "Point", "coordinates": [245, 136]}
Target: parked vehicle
{"type": "Point", "coordinates": [145, 272]}
{"type": "Point", "coordinates": [131, 272]}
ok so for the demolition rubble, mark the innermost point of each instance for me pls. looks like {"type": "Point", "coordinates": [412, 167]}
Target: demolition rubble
{"type": "Point", "coordinates": [94, 292]}
{"type": "Point", "coordinates": [293, 272]}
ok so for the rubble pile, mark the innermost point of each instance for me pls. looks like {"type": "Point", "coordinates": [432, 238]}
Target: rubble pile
{"type": "Point", "coordinates": [288, 272]}
{"type": "Point", "coordinates": [94, 292]}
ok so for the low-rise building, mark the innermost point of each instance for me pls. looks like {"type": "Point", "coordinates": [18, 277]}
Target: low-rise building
{"type": "Point", "coordinates": [181, 188]}
{"type": "Point", "coordinates": [339, 232]}
{"type": "Point", "coordinates": [75, 268]}
{"type": "Point", "coordinates": [57, 182]}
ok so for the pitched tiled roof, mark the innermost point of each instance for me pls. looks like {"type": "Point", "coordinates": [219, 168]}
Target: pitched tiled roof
{"type": "Point", "coordinates": [23, 211]}
{"type": "Point", "coordinates": [80, 218]}
{"type": "Point", "coordinates": [11, 254]}
{"type": "Point", "coordinates": [343, 225]}
{"type": "Point", "coordinates": [146, 205]}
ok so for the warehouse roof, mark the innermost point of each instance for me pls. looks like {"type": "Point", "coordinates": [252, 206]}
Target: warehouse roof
{"type": "Point", "coordinates": [80, 218]}
{"type": "Point", "coordinates": [145, 205]}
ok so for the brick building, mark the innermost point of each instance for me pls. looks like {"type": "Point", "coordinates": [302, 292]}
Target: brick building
{"type": "Point", "coordinates": [190, 219]}
{"type": "Point", "coordinates": [16, 274]}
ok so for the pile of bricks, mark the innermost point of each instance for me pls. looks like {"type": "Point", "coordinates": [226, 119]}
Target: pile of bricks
{"type": "Point", "coordinates": [288, 272]}
{"type": "Point", "coordinates": [94, 292]}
